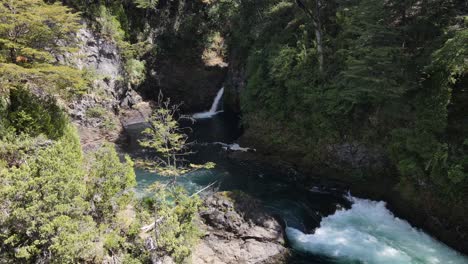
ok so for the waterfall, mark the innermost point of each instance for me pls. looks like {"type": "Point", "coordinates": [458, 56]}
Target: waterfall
{"type": "Point", "coordinates": [213, 108]}
{"type": "Point", "coordinates": [218, 97]}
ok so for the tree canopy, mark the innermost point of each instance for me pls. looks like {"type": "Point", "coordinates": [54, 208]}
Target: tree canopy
{"type": "Point", "coordinates": [392, 80]}
{"type": "Point", "coordinates": [32, 35]}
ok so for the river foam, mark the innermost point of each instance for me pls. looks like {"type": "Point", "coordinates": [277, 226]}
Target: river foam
{"type": "Point", "coordinates": [368, 232]}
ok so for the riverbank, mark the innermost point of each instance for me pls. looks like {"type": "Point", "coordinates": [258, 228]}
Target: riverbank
{"type": "Point", "coordinates": [237, 229]}
{"type": "Point", "coordinates": [304, 202]}
{"type": "Point", "coordinates": [421, 209]}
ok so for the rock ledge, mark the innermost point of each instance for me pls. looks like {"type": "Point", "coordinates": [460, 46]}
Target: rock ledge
{"type": "Point", "coordinates": [238, 230]}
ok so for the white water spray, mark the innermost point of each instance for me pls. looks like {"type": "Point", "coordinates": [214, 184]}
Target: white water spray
{"type": "Point", "coordinates": [233, 147]}
{"type": "Point", "coordinates": [213, 108]}
{"type": "Point", "coordinates": [370, 233]}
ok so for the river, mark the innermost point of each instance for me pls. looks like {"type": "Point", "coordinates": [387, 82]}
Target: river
{"type": "Point", "coordinates": [323, 225]}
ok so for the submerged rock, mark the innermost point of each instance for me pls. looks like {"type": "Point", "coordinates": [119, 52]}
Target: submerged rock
{"type": "Point", "coordinates": [238, 230]}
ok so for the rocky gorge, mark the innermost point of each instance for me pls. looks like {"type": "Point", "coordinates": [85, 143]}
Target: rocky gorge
{"type": "Point", "coordinates": [226, 131]}
{"type": "Point", "coordinates": [236, 229]}
{"type": "Point", "coordinates": [182, 73]}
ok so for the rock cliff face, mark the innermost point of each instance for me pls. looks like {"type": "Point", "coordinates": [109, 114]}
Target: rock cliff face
{"type": "Point", "coordinates": [238, 230]}
{"type": "Point", "coordinates": [101, 56]}
{"type": "Point", "coordinates": [180, 29]}
{"type": "Point", "coordinates": [188, 81]}
{"type": "Point", "coordinates": [235, 83]}
{"type": "Point", "coordinates": [97, 112]}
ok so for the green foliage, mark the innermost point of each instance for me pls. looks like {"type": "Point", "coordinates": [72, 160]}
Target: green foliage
{"type": "Point", "coordinates": [32, 33]}
{"type": "Point", "coordinates": [372, 54]}
{"type": "Point", "coordinates": [222, 12]}
{"type": "Point", "coordinates": [43, 203]}
{"type": "Point", "coordinates": [393, 78]}
{"type": "Point", "coordinates": [96, 112]}
{"type": "Point", "coordinates": [177, 229]}
{"type": "Point", "coordinates": [106, 119]}
{"type": "Point", "coordinates": [165, 137]}
{"type": "Point", "coordinates": [174, 211]}
{"type": "Point", "coordinates": [29, 114]}
{"type": "Point", "coordinates": [112, 241]}
{"type": "Point", "coordinates": [432, 151]}
{"type": "Point", "coordinates": [109, 182]}
{"type": "Point", "coordinates": [109, 26]}
{"type": "Point", "coordinates": [61, 80]}
{"type": "Point", "coordinates": [32, 29]}
{"type": "Point", "coordinates": [108, 124]}
{"type": "Point", "coordinates": [449, 62]}
{"type": "Point", "coordinates": [136, 71]}
{"type": "Point", "coordinates": [146, 4]}
{"type": "Point", "coordinates": [169, 140]}
{"type": "Point", "coordinates": [58, 207]}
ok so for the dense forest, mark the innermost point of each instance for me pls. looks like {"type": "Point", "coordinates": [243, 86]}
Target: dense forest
{"type": "Point", "coordinates": [313, 81]}
{"type": "Point", "coordinates": [59, 204]}
{"type": "Point", "coordinates": [380, 77]}
{"type": "Point", "coordinates": [389, 75]}
{"type": "Point", "coordinates": [382, 80]}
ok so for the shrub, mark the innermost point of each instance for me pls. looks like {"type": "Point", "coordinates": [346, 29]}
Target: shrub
{"type": "Point", "coordinates": [136, 71]}
{"type": "Point", "coordinates": [34, 115]}
{"type": "Point", "coordinates": [96, 112]}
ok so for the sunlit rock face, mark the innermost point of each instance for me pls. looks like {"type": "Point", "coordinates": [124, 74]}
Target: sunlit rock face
{"type": "Point", "coordinates": [238, 230]}
{"type": "Point", "coordinates": [97, 112]}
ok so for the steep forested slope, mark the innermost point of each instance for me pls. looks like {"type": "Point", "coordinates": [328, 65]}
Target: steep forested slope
{"type": "Point", "coordinates": [376, 90]}
{"type": "Point", "coordinates": [60, 203]}
{"type": "Point", "coordinates": [363, 86]}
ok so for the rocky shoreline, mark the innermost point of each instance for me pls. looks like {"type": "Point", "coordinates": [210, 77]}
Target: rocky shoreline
{"type": "Point", "coordinates": [238, 230]}
{"type": "Point", "coordinates": [445, 223]}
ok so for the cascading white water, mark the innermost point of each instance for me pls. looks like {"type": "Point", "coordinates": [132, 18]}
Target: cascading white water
{"type": "Point", "coordinates": [215, 104]}
{"type": "Point", "coordinates": [370, 233]}
{"type": "Point", "coordinates": [214, 107]}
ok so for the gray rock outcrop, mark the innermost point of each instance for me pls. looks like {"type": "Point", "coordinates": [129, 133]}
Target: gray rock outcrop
{"type": "Point", "coordinates": [101, 58]}
{"type": "Point", "coordinates": [238, 230]}
{"type": "Point", "coordinates": [97, 112]}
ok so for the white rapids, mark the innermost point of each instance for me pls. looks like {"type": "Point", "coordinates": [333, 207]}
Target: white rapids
{"type": "Point", "coordinates": [370, 233]}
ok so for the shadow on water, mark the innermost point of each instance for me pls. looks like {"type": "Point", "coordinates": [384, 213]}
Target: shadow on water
{"type": "Point", "coordinates": [366, 230]}
{"type": "Point", "coordinates": [284, 198]}
{"type": "Point", "coordinates": [223, 127]}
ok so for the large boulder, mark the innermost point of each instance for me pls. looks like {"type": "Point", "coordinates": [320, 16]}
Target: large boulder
{"type": "Point", "coordinates": [238, 230]}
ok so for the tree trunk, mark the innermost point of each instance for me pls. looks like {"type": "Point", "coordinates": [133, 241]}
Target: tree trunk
{"type": "Point", "coordinates": [13, 55]}
{"type": "Point", "coordinates": [318, 37]}
{"type": "Point", "coordinates": [318, 34]}
{"type": "Point", "coordinates": [315, 16]}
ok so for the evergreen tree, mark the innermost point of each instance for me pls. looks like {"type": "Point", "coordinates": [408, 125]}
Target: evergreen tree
{"type": "Point", "coordinates": [54, 210]}
{"type": "Point", "coordinates": [32, 34]}
{"type": "Point", "coordinates": [169, 140]}
{"type": "Point", "coordinates": [43, 207]}
{"type": "Point", "coordinates": [110, 183]}
{"type": "Point", "coordinates": [174, 211]}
